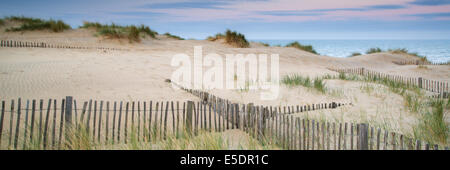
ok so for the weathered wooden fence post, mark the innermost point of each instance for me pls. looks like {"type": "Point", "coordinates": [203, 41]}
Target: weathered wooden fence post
{"type": "Point", "coordinates": [189, 117]}
{"type": "Point", "coordinates": [68, 117]}
{"type": "Point", "coordinates": [363, 137]}
{"type": "Point", "coordinates": [420, 82]}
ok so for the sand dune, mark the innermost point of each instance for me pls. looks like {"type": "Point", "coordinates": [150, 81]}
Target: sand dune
{"type": "Point", "coordinates": [139, 74]}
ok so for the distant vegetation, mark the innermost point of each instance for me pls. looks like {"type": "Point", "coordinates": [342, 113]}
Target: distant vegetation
{"type": "Point", "coordinates": [265, 44]}
{"type": "Point", "coordinates": [398, 51]}
{"type": "Point", "coordinates": [405, 51]}
{"type": "Point", "coordinates": [33, 24]}
{"type": "Point", "coordinates": [216, 37]}
{"type": "Point", "coordinates": [173, 36]}
{"type": "Point", "coordinates": [132, 32]}
{"type": "Point", "coordinates": [355, 54]}
{"type": "Point", "coordinates": [232, 38]}
{"type": "Point", "coordinates": [2, 22]}
{"type": "Point", "coordinates": [308, 48]}
{"type": "Point", "coordinates": [374, 50]}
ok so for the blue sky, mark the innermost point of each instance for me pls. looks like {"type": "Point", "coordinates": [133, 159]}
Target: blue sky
{"type": "Point", "coordinates": [257, 19]}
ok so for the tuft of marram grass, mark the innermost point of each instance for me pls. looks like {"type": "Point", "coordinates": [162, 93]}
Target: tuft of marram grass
{"type": "Point", "coordinates": [232, 38]}
{"type": "Point", "coordinates": [297, 45]}
{"type": "Point", "coordinates": [216, 37]}
{"type": "Point", "coordinates": [132, 32]}
{"type": "Point", "coordinates": [405, 51]}
{"type": "Point", "coordinates": [354, 54]}
{"type": "Point", "coordinates": [173, 36]}
{"type": "Point", "coordinates": [236, 39]}
{"type": "Point", "coordinates": [374, 50]}
{"type": "Point", "coordinates": [266, 44]}
{"type": "Point", "coordinates": [33, 24]}
{"type": "Point", "coordinates": [298, 80]}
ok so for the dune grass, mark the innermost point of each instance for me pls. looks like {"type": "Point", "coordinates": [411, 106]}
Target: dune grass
{"type": "Point", "coordinates": [431, 126]}
{"type": "Point", "coordinates": [232, 38]}
{"type": "Point", "coordinates": [265, 44]}
{"type": "Point", "coordinates": [298, 80]}
{"type": "Point", "coordinates": [216, 37]}
{"type": "Point", "coordinates": [354, 54]}
{"type": "Point", "coordinates": [236, 39]}
{"type": "Point", "coordinates": [374, 50]}
{"type": "Point", "coordinates": [131, 32]}
{"type": "Point", "coordinates": [397, 51]}
{"type": "Point", "coordinates": [307, 48]}
{"type": "Point", "coordinates": [405, 51]}
{"type": "Point", "coordinates": [173, 36]}
{"type": "Point", "coordinates": [33, 24]}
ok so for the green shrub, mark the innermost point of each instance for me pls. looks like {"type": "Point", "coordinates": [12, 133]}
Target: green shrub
{"type": "Point", "coordinates": [32, 24]}
{"type": "Point", "coordinates": [374, 50]}
{"type": "Point", "coordinates": [2, 22]}
{"type": "Point", "coordinates": [297, 45]}
{"type": "Point", "coordinates": [173, 36]}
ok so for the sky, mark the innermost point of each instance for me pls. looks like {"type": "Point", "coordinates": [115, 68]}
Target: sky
{"type": "Point", "coordinates": [256, 19]}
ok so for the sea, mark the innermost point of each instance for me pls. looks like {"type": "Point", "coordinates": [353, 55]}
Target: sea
{"type": "Point", "coordinates": [435, 50]}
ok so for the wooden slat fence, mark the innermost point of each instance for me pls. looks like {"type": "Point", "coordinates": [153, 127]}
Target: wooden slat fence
{"type": "Point", "coordinates": [29, 44]}
{"type": "Point", "coordinates": [40, 124]}
{"type": "Point", "coordinates": [419, 62]}
{"type": "Point", "coordinates": [439, 87]}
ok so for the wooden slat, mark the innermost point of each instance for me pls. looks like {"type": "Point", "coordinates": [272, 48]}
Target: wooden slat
{"type": "Point", "coordinates": [144, 126]}
{"type": "Point", "coordinates": [94, 123]}
{"type": "Point", "coordinates": [61, 123]}
{"type": "Point", "coordinates": [33, 110]}
{"type": "Point", "coordinates": [25, 135]}
{"type": "Point", "coordinates": [178, 119]}
{"type": "Point", "coordinates": [155, 129]}
{"type": "Point", "coordinates": [47, 117]}
{"type": "Point", "coordinates": [165, 120]}
{"type": "Point", "coordinates": [16, 137]}
{"type": "Point", "coordinates": [125, 138]}
{"type": "Point", "coordinates": [54, 123]}
{"type": "Point", "coordinates": [173, 118]}
{"type": "Point", "coordinates": [378, 138]}
{"type": "Point", "coordinates": [2, 119]}
{"type": "Point", "coordinates": [41, 106]}
{"type": "Point", "coordinates": [113, 134]}
{"type": "Point", "coordinates": [119, 123]}
{"type": "Point", "coordinates": [88, 119]}
{"type": "Point", "coordinates": [139, 121]}
{"type": "Point", "coordinates": [11, 121]}
{"type": "Point", "coordinates": [107, 123]}
{"type": "Point", "coordinates": [100, 121]}
{"type": "Point", "coordinates": [150, 128]}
